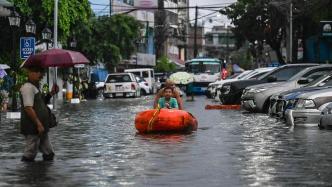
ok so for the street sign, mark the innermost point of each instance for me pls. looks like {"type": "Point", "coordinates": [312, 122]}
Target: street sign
{"type": "Point", "coordinates": [27, 47]}
{"type": "Point", "coordinates": [326, 28]}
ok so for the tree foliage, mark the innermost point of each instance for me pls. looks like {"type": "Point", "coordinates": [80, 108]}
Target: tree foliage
{"type": "Point", "coordinates": [164, 65]}
{"type": "Point", "coordinates": [109, 39]}
{"type": "Point", "coordinates": [266, 21]}
{"type": "Point", "coordinates": [41, 12]}
{"type": "Point", "coordinates": [258, 22]}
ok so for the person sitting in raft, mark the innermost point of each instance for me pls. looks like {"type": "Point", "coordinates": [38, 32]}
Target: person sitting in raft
{"type": "Point", "coordinates": [168, 101]}
{"type": "Point", "coordinates": [175, 94]}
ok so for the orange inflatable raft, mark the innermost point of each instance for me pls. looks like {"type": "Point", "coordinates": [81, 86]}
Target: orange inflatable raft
{"type": "Point", "coordinates": [165, 121]}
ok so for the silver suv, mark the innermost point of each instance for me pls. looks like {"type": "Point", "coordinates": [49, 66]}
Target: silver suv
{"type": "Point", "coordinates": [256, 98]}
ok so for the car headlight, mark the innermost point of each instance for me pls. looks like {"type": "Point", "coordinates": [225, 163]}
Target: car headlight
{"type": "Point", "coordinates": [254, 90]}
{"type": "Point", "coordinates": [245, 91]}
{"type": "Point", "coordinates": [305, 103]}
{"type": "Point", "coordinates": [259, 90]}
{"type": "Point", "coordinates": [226, 89]}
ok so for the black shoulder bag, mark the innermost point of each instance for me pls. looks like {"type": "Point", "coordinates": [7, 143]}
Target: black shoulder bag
{"type": "Point", "coordinates": [53, 121]}
{"type": "Point", "coordinates": [52, 118]}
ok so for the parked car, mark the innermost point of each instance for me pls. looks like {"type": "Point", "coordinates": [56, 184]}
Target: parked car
{"type": "Point", "coordinates": [252, 75]}
{"type": "Point", "coordinates": [211, 89]}
{"type": "Point", "coordinates": [231, 92]}
{"type": "Point", "coordinates": [285, 100]}
{"type": "Point", "coordinates": [121, 85]}
{"type": "Point", "coordinates": [257, 98]}
{"type": "Point", "coordinates": [308, 107]}
{"type": "Point", "coordinates": [325, 121]}
{"type": "Point", "coordinates": [144, 86]}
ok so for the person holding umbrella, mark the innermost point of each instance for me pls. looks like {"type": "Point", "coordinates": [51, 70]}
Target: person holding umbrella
{"type": "Point", "coordinates": [35, 116]}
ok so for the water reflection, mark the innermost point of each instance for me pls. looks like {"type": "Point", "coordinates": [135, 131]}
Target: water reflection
{"type": "Point", "coordinates": [96, 144]}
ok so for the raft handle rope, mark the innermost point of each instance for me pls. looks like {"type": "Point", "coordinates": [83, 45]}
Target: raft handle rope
{"type": "Point", "coordinates": [152, 119]}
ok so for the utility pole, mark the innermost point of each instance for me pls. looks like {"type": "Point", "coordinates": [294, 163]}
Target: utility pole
{"type": "Point", "coordinates": [111, 7]}
{"type": "Point", "coordinates": [160, 31]}
{"type": "Point", "coordinates": [227, 44]}
{"type": "Point", "coordinates": [55, 45]}
{"type": "Point", "coordinates": [291, 32]}
{"type": "Point", "coordinates": [195, 33]}
{"type": "Point", "coordinates": [187, 27]}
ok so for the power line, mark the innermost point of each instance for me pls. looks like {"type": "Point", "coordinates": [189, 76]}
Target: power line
{"type": "Point", "coordinates": [102, 9]}
{"type": "Point", "coordinates": [165, 8]}
{"type": "Point", "coordinates": [206, 15]}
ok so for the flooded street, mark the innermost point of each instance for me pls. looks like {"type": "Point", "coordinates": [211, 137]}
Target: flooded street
{"type": "Point", "coordinates": [96, 145]}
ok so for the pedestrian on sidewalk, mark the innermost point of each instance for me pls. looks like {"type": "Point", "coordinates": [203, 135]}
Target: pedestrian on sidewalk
{"type": "Point", "coordinates": [36, 117]}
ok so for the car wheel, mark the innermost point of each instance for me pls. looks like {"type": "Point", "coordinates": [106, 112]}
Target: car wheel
{"type": "Point", "coordinates": [266, 106]}
{"type": "Point", "coordinates": [100, 92]}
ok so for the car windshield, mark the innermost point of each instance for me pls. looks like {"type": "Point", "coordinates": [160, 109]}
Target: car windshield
{"type": "Point", "coordinates": [325, 80]}
{"type": "Point", "coordinates": [118, 78]}
{"type": "Point", "coordinates": [204, 67]}
{"type": "Point", "coordinates": [258, 75]}
{"type": "Point", "coordinates": [283, 74]}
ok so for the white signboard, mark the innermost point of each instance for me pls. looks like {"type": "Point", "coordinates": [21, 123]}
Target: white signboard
{"type": "Point", "coordinates": [146, 59]}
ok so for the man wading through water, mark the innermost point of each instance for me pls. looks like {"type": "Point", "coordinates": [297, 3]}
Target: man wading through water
{"type": "Point", "coordinates": [35, 117]}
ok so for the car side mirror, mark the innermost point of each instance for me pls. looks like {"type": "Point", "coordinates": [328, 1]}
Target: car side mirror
{"type": "Point", "coordinates": [272, 79]}
{"type": "Point", "coordinates": [303, 81]}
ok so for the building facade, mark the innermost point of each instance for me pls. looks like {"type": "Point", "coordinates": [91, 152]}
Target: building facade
{"type": "Point", "coordinates": [219, 42]}
{"type": "Point", "coordinates": [191, 41]}
{"type": "Point", "coordinates": [145, 55]}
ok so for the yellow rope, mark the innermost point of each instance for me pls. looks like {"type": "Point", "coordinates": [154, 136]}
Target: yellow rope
{"type": "Point", "coordinates": [152, 119]}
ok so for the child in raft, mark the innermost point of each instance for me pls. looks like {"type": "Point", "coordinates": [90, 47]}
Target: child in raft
{"type": "Point", "coordinates": [168, 101]}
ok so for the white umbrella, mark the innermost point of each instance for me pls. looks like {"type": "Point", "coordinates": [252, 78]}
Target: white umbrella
{"type": "Point", "coordinates": [182, 78]}
{"type": "Point", "coordinates": [2, 73]}
{"type": "Point", "coordinates": [4, 66]}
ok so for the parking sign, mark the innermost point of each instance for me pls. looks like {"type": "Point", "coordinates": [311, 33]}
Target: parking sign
{"type": "Point", "coordinates": [27, 47]}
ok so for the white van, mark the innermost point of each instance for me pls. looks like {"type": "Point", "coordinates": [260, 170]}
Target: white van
{"type": "Point", "coordinates": [147, 74]}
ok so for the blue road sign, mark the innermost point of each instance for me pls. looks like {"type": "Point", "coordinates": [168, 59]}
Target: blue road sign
{"type": "Point", "coordinates": [27, 47]}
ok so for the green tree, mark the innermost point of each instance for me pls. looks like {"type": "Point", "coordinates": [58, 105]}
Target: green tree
{"type": "Point", "coordinates": [42, 12]}
{"type": "Point", "coordinates": [257, 21]}
{"type": "Point", "coordinates": [164, 65]}
{"type": "Point", "coordinates": [109, 39]}
{"type": "Point", "coordinates": [267, 21]}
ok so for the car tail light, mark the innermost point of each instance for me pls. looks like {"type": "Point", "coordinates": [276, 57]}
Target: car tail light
{"type": "Point", "coordinates": [133, 86]}
{"type": "Point", "coordinates": [146, 84]}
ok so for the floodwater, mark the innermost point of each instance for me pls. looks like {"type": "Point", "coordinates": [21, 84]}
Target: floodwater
{"type": "Point", "coordinates": [96, 145]}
